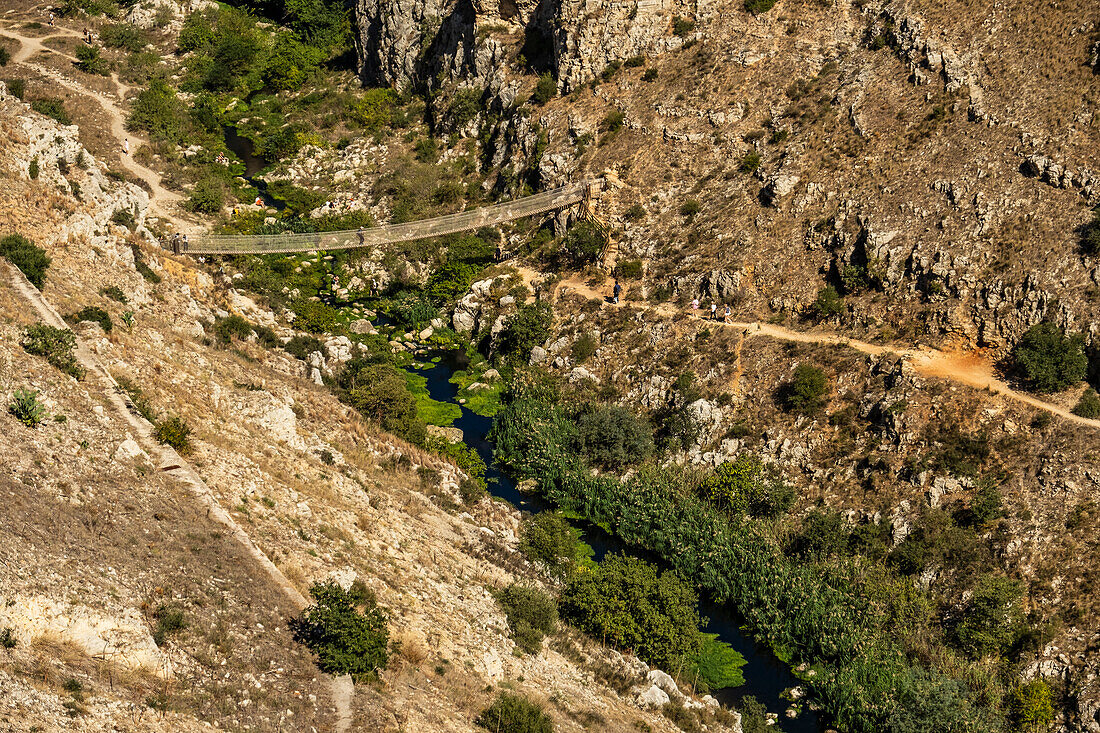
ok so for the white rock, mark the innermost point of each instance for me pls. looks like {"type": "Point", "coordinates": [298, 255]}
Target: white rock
{"type": "Point", "coordinates": [654, 697]}
{"type": "Point", "coordinates": [129, 450]}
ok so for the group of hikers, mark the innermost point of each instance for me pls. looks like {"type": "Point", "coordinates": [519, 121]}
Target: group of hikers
{"type": "Point", "coordinates": [180, 243]}
{"type": "Point", "coordinates": [727, 312]}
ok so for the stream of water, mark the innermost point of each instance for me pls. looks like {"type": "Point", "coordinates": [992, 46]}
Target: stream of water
{"type": "Point", "coordinates": [243, 148]}
{"type": "Point", "coordinates": [766, 677]}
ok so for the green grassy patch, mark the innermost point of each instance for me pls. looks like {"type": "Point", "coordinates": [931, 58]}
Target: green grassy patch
{"type": "Point", "coordinates": [484, 402]}
{"type": "Point", "coordinates": [718, 665]}
{"type": "Point", "coordinates": [432, 412]}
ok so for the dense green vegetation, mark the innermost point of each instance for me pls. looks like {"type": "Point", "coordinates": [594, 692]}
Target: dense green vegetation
{"type": "Point", "coordinates": [31, 260]}
{"type": "Point", "coordinates": [827, 594]}
{"type": "Point", "coordinates": [510, 713]}
{"type": "Point", "coordinates": [57, 345]}
{"type": "Point", "coordinates": [345, 629]}
{"type": "Point", "coordinates": [532, 615]}
{"type": "Point", "coordinates": [1049, 359]}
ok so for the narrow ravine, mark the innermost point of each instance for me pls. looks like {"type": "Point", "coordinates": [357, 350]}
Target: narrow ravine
{"type": "Point", "coordinates": [766, 676]}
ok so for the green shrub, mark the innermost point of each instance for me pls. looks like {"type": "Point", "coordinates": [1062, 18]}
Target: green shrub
{"type": "Point", "coordinates": [346, 630]}
{"type": "Point", "coordinates": [207, 197]}
{"type": "Point", "coordinates": [650, 75]}
{"type": "Point", "coordinates": [174, 432]}
{"type": "Point", "coordinates": [31, 260]}
{"type": "Point", "coordinates": [1089, 405]}
{"type": "Point", "coordinates": [1049, 359]}
{"type": "Point", "coordinates": [750, 162]}
{"type": "Point", "coordinates": [629, 269]}
{"type": "Point", "coordinates": [314, 316]}
{"type": "Point", "coordinates": [990, 619]}
{"type": "Point", "coordinates": [628, 604]}
{"type": "Point", "coordinates": [528, 327]}
{"type": "Point", "coordinates": [5, 56]}
{"type": "Point", "coordinates": [32, 169]}
{"type": "Point", "coordinates": [54, 108]}
{"type": "Point", "coordinates": [1032, 706]}
{"type": "Point", "coordinates": [614, 120]}
{"type": "Point", "coordinates": [374, 109]}
{"type": "Point", "coordinates": [613, 437]}
{"type": "Point", "coordinates": [584, 347]}
{"type": "Point", "coordinates": [17, 87]}
{"type": "Point", "coordinates": [1090, 234]}
{"type": "Point", "coordinates": [413, 310]}
{"type": "Point", "coordinates": [7, 638]}
{"type": "Point", "coordinates": [756, 7]}
{"type": "Point", "coordinates": [716, 665]}
{"type": "Point", "coordinates": [94, 314]}
{"type": "Point", "coordinates": [56, 345]}
{"type": "Point", "coordinates": [122, 35]}
{"type": "Point", "coordinates": [471, 490]}
{"type": "Point", "coordinates": [380, 393]}
{"type": "Point", "coordinates": [89, 61]}
{"type": "Point", "coordinates": [584, 242]}
{"type": "Point", "coordinates": [634, 62]}
{"type": "Point", "coordinates": [464, 107]}
{"type": "Point", "coordinates": [805, 392]}
{"type": "Point", "coordinates": [115, 293]}
{"type": "Point", "coordinates": [545, 90]}
{"type": "Point", "coordinates": [548, 538]}
{"type": "Point", "coordinates": [169, 620]}
{"type": "Point", "coordinates": [690, 208]}
{"type": "Point", "coordinates": [532, 614]}
{"type": "Point", "coordinates": [26, 408]}
{"type": "Point", "coordinates": [682, 26]}
{"type": "Point", "coordinates": [736, 485]}
{"type": "Point", "coordinates": [512, 713]}
{"type": "Point", "coordinates": [302, 346]}
{"type": "Point", "coordinates": [828, 303]}
{"type": "Point", "coordinates": [635, 213]}
{"type": "Point", "coordinates": [124, 218]}
{"type": "Point", "coordinates": [157, 111]}
{"type": "Point", "coordinates": [143, 269]}
{"type": "Point", "coordinates": [230, 327]}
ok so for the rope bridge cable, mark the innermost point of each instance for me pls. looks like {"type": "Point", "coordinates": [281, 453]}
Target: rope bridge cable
{"type": "Point", "coordinates": [558, 198]}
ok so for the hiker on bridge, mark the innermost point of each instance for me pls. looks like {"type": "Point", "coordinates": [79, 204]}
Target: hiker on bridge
{"type": "Point", "coordinates": [362, 236]}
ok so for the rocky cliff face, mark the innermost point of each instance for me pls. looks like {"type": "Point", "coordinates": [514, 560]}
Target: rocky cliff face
{"type": "Point", "coordinates": [410, 42]}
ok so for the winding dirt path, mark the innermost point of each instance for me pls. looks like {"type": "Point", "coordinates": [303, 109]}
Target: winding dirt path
{"type": "Point", "coordinates": [161, 200]}
{"type": "Point", "coordinates": [964, 367]}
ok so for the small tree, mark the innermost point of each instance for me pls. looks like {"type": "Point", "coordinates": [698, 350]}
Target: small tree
{"type": "Point", "coordinates": [828, 303]}
{"type": "Point", "coordinates": [545, 90]}
{"type": "Point", "coordinates": [805, 391]}
{"type": "Point", "coordinates": [584, 242]}
{"type": "Point", "coordinates": [1032, 706]}
{"type": "Point", "coordinates": [347, 631]}
{"type": "Point", "coordinates": [207, 196]}
{"type": "Point", "coordinates": [90, 62]}
{"type": "Point", "coordinates": [31, 260]}
{"type": "Point", "coordinates": [1089, 405]}
{"type": "Point", "coordinates": [1049, 359]}
{"type": "Point", "coordinates": [512, 713]}
{"type": "Point", "coordinates": [613, 437]}
{"type": "Point", "coordinates": [57, 345]}
{"type": "Point", "coordinates": [528, 327]}
{"type": "Point", "coordinates": [1090, 235]}
{"type": "Point", "coordinates": [546, 537]}
{"type": "Point", "coordinates": [532, 614]}
{"type": "Point", "coordinates": [991, 619]}
{"type": "Point", "coordinates": [174, 432]}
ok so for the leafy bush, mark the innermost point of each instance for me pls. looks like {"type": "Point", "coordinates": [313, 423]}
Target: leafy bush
{"type": "Point", "coordinates": [122, 35]}
{"type": "Point", "coordinates": [230, 327]}
{"type": "Point", "coordinates": [690, 208]}
{"type": "Point", "coordinates": [528, 327]}
{"type": "Point", "coordinates": [548, 538]}
{"type": "Point", "coordinates": [634, 213]}
{"type": "Point", "coordinates": [115, 293]}
{"type": "Point", "coordinates": [828, 303]}
{"type": "Point", "coordinates": [682, 26]}
{"type": "Point", "coordinates": [94, 314]}
{"type": "Point", "coordinates": [512, 713]}
{"type": "Point", "coordinates": [31, 260]}
{"type": "Point", "coordinates": [1032, 706]}
{"type": "Point", "coordinates": [5, 56]}
{"type": "Point", "coordinates": [174, 432]}
{"type": "Point", "coordinates": [346, 630]}
{"type": "Point", "coordinates": [545, 90]}
{"type": "Point", "coordinates": [471, 490]}
{"type": "Point", "coordinates": [26, 408]}
{"type": "Point", "coordinates": [629, 269]}
{"type": "Point", "coordinates": [32, 169]}
{"type": "Point", "coordinates": [628, 604]}
{"type": "Point", "coordinates": [805, 392]}
{"type": "Point", "coordinates": [532, 614]}
{"type": "Point", "coordinates": [614, 120]}
{"type": "Point", "coordinates": [414, 310]}
{"type": "Point", "coordinates": [741, 487]}
{"type": "Point", "coordinates": [302, 346]}
{"type": "Point", "coordinates": [169, 620]}
{"type": "Point", "coordinates": [7, 638]}
{"type": "Point", "coordinates": [54, 108]}
{"type": "Point", "coordinates": [157, 111]}
{"type": "Point", "coordinates": [750, 163]}
{"type": "Point", "coordinates": [464, 107]}
{"type": "Point", "coordinates": [584, 242]}
{"type": "Point", "coordinates": [89, 61]}
{"type": "Point", "coordinates": [207, 197]}
{"type": "Point", "coordinates": [374, 109]}
{"type": "Point", "coordinates": [1090, 235]}
{"type": "Point", "coordinates": [716, 665]}
{"type": "Point", "coordinates": [380, 393]}
{"type": "Point", "coordinates": [756, 7]}
{"type": "Point", "coordinates": [650, 75]}
{"type": "Point", "coordinates": [1089, 405]}
{"type": "Point", "coordinates": [584, 347]}
{"type": "Point", "coordinates": [124, 218]}
{"type": "Point", "coordinates": [991, 619]}
{"type": "Point", "coordinates": [314, 316]}
{"type": "Point", "coordinates": [56, 344]}
{"type": "Point", "coordinates": [613, 437]}
{"type": "Point", "coordinates": [17, 87]}
{"type": "Point", "coordinates": [1049, 359]}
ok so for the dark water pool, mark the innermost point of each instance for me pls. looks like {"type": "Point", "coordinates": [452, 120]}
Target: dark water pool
{"type": "Point", "coordinates": [766, 677]}
{"type": "Point", "coordinates": [243, 148]}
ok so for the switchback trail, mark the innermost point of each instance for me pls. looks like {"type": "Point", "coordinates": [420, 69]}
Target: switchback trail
{"type": "Point", "coordinates": [964, 367]}
{"type": "Point", "coordinates": [160, 198]}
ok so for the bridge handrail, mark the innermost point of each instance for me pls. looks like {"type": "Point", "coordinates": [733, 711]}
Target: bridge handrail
{"type": "Point", "coordinates": [387, 233]}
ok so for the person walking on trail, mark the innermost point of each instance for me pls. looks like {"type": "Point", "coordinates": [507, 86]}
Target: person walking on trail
{"type": "Point", "coordinates": [362, 237]}
{"type": "Point", "coordinates": [713, 311]}
{"type": "Point", "coordinates": [499, 254]}
{"type": "Point", "coordinates": [126, 146]}
{"type": "Point", "coordinates": [51, 18]}
{"type": "Point", "coordinates": [616, 292]}
{"type": "Point", "coordinates": [726, 317]}
{"type": "Point", "coordinates": [695, 307]}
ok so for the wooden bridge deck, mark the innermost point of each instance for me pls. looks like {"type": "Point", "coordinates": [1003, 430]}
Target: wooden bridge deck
{"type": "Point", "coordinates": [232, 244]}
